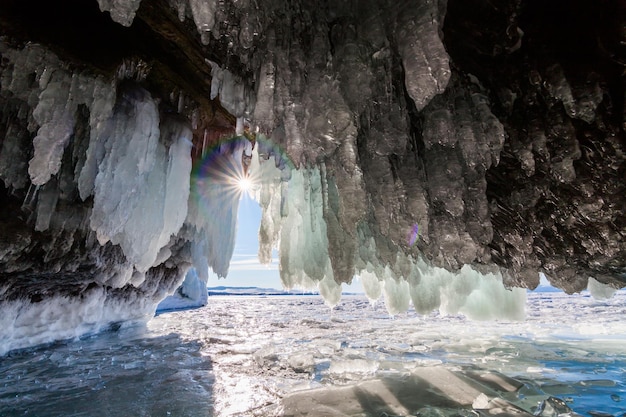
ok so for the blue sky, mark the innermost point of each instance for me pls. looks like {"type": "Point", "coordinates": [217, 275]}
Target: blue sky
{"type": "Point", "coordinates": [245, 269]}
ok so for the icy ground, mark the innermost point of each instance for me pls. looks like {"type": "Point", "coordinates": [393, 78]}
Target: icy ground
{"type": "Point", "coordinates": [268, 356]}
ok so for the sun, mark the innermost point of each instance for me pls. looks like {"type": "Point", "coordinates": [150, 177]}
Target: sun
{"type": "Point", "coordinates": [244, 184]}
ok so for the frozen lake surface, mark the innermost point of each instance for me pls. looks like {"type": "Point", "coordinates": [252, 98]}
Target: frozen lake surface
{"type": "Point", "coordinates": [291, 355]}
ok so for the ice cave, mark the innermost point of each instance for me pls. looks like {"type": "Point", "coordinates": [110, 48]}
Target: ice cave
{"type": "Point", "coordinates": [444, 151]}
{"type": "Point", "coordinates": [429, 147]}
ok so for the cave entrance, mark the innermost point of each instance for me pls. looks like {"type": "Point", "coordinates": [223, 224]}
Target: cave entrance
{"type": "Point", "coordinates": [245, 269]}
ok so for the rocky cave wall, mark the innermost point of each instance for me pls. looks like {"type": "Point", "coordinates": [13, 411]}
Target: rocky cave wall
{"type": "Point", "coordinates": [497, 131]}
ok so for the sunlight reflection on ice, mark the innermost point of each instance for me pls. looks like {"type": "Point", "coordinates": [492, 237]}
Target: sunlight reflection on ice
{"type": "Point", "coordinates": [262, 356]}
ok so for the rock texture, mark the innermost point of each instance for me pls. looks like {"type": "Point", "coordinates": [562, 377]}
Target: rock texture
{"type": "Point", "coordinates": [496, 131]}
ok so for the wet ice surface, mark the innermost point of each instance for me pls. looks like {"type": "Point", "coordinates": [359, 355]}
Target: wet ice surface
{"type": "Point", "coordinates": [244, 355]}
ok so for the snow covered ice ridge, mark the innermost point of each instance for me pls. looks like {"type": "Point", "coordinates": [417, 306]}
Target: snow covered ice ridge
{"type": "Point", "coordinates": [62, 317]}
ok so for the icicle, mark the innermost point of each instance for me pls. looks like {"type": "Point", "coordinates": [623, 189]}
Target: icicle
{"type": "Point", "coordinates": [194, 119]}
{"type": "Point", "coordinates": [203, 12]}
{"type": "Point", "coordinates": [30, 197]}
{"type": "Point", "coordinates": [204, 144]}
{"type": "Point", "coordinates": [132, 69]}
{"type": "Point", "coordinates": [181, 102]}
{"type": "Point", "coordinates": [239, 126]}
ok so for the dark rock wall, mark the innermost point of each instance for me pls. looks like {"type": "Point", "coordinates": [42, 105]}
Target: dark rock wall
{"type": "Point", "coordinates": [555, 76]}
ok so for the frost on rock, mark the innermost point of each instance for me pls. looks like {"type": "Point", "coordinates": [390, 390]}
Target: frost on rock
{"type": "Point", "coordinates": [580, 104]}
{"type": "Point", "coordinates": [463, 139]}
{"type": "Point", "coordinates": [203, 12]}
{"type": "Point", "coordinates": [122, 11]}
{"type": "Point", "coordinates": [424, 58]}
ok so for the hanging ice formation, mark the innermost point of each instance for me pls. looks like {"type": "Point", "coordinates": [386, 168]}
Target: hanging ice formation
{"type": "Point", "coordinates": [111, 172]}
{"type": "Point", "coordinates": [440, 158]}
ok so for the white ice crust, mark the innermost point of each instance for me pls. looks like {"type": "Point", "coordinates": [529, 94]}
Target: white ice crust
{"type": "Point", "coordinates": [192, 293]}
{"type": "Point", "coordinates": [59, 317]}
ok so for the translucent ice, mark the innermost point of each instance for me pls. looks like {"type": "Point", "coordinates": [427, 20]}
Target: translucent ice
{"type": "Point", "coordinates": [598, 290]}
{"type": "Point", "coordinates": [191, 293]}
{"type": "Point", "coordinates": [293, 221]}
{"type": "Point", "coordinates": [142, 186]}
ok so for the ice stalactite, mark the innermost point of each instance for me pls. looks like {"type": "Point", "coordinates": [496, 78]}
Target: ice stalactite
{"type": "Point", "coordinates": [191, 293]}
{"type": "Point", "coordinates": [436, 119]}
{"type": "Point", "coordinates": [264, 108]}
{"type": "Point", "coordinates": [125, 176]}
{"type": "Point", "coordinates": [231, 90]}
{"type": "Point", "coordinates": [105, 164]}
{"type": "Point", "coordinates": [600, 291]}
{"type": "Point", "coordinates": [412, 280]}
{"type": "Point", "coordinates": [122, 11]}
{"type": "Point", "coordinates": [212, 216]}
{"type": "Point", "coordinates": [203, 12]}
{"type": "Point", "coordinates": [141, 187]}
{"type": "Point", "coordinates": [294, 221]}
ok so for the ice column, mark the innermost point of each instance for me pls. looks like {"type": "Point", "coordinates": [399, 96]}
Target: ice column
{"type": "Point", "coordinates": [293, 221]}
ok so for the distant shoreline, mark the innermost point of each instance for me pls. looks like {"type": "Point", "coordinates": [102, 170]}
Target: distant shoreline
{"type": "Point", "coordinates": [254, 291]}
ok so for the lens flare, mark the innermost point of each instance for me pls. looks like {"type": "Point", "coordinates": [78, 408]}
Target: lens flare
{"type": "Point", "coordinates": [413, 235]}
{"type": "Point", "coordinates": [244, 184]}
